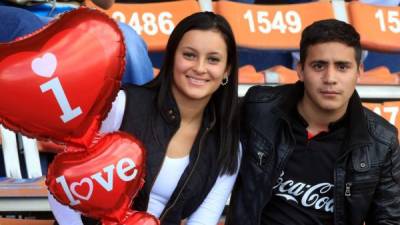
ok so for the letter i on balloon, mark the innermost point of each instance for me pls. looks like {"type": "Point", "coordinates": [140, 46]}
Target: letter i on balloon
{"type": "Point", "coordinates": [45, 67]}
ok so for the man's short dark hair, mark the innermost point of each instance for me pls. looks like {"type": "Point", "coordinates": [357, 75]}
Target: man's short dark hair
{"type": "Point", "coordinates": [330, 30]}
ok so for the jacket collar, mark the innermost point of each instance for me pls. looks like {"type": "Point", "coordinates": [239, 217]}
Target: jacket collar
{"type": "Point", "coordinates": [170, 112]}
{"type": "Point", "coordinates": [357, 127]}
{"type": "Point", "coordinates": [169, 109]}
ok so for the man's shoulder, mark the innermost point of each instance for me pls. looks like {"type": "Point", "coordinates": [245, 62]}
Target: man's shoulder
{"type": "Point", "coordinates": [379, 127]}
{"type": "Point", "coordinates": [265, 93]}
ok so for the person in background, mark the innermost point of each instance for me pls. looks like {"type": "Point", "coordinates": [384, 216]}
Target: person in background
{"type": "Point", "coordinates": [187, 119]}
{"type": "Point", "coordinates": [17, 22]}
{"type": "Point", "coordinates": [312, 154]}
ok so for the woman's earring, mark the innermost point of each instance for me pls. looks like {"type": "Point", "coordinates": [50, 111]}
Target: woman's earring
{"type": "Point", "coordinates": [224, 81]}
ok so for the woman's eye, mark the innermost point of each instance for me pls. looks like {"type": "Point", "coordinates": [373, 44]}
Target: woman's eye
{"type": "Point", "coordinates": [214, 60]}
{"type": "Point", "coordinates": [188, 55]}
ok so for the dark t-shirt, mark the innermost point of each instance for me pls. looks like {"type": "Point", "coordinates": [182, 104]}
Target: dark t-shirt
{"type": "Point", "coordinates": [304, 191]}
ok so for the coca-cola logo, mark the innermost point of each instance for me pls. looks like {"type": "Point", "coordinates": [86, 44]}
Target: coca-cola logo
{"type": "Point", "coordinates": [318, 196]}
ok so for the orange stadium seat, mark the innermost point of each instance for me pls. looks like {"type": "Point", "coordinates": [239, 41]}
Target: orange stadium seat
{"type": "Point", "coordinates": [153, 21]}
{"type": "Point", "coordinates": [391, 112]}
{"type": "Point", "coordinates": [379, 26]}
{"type": "Point", "coordinates": [376, 107]}
{"type": "Point", "coordinates": [271, 26]}
{"type": "Point", "coordinates": [388, 110]}
{"type": "Point", "coordinates": [249, 75]}
{"type": "Point", "coordinates": [380, 75]}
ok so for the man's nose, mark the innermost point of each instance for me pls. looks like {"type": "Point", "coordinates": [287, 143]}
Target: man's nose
{"type": "Point", "coordinates": [330, 75]}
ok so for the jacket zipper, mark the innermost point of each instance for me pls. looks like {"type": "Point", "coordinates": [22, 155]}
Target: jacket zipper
{"type": "Point", "coordinates": [347, 192]}
{"type": "Point", "coordinates": [260, 158]}
{"type": "Point", "coordinates": [282, 164]}
{"type": "Point", "coordinates": [348, 185]}
{"type": "Point", "coordinates": [188, 177]}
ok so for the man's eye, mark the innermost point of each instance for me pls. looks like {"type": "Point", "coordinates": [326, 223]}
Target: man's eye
{"type": "Point", "coordinates": [342, 67]}
{"type": "Point", "coordinates": [318, 66]}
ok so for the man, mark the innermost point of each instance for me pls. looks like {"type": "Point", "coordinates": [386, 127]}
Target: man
{"type": "Point", "coordinates": [312, 153]}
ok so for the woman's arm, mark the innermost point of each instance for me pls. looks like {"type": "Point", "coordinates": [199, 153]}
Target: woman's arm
{"type": "Point", "coordinates": [211, 209]}
{"type": "Point", "coordinates": [63, 214]}
{"type": "Point", "coordinates": [114, 117]}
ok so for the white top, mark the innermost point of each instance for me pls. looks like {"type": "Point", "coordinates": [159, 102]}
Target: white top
{"type": "Point", "coordinates": [165, 184]}
{"type": "Point", "coordinates": [208, 212]}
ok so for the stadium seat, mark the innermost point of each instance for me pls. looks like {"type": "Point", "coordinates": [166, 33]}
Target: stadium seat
{"type": "Point", "coordinates": [266, 34]}
{"type": "Point", "coordinates": [390, 110]}
{"type": "Point", "coordinates": [380, 75]}
{"type": "Point", "coordinates": [271, 26]}
{"type": "Point", "coordinates": [249, 75]}
{"type": "Point", "coordinates": [153, 21]}
{"type": "Point", "coordinates": [379, 26]}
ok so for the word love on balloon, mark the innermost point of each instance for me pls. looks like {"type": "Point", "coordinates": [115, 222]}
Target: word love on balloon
{"type": "Point", "coordinates": [102, 181]}
{"type": "Point", "coordinates": [125, 169]}
{"type": "Point", "coordinates": [60, 81]}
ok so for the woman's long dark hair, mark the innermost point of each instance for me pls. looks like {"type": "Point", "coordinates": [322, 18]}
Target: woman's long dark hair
{"type": "Point", "coordinates": [225, 98]}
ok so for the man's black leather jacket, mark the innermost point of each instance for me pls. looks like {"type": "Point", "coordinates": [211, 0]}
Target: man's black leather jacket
{"type": "Point", "coordinates": [366, 176]}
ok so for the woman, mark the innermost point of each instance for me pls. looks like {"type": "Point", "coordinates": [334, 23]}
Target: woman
{"type": "Point", "coordinates": [187, 119]}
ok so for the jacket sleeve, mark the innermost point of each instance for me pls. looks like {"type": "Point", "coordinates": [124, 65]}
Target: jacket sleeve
{"type": "Point", "coordinates": [238, 211]}
{"type": "Point", "coordinates": [386, 204]}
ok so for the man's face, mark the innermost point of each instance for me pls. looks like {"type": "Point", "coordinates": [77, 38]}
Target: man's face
{"type": "Point", "coordinates": [330, 75]}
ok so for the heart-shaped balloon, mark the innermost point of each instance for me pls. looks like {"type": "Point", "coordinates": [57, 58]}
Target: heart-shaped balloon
{"type": "Point", "coordinates": [60, 81]}
{"type": "Point", "coordinates": [136, 218]}
{"type": "Point", "coordinates": [102, 181]}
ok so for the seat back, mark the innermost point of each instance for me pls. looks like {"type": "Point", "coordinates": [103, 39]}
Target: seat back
{"type": "Point", "coordinates": [271, 26]}
{"type": "Point", "coordinates": [379, 26]}
{"type": "Point", "coordinates": [153, 21]}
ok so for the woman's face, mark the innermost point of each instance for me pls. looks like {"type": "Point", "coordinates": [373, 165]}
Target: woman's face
{"type": "Point", "coordinates": [200, 65]}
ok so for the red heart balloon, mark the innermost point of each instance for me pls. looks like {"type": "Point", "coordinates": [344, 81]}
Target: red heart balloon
{"type": "Point", "coordinates": [102, 181]}
{"type": "Point", "coordinates": [59, 82]}
{"type": "Point", "coordinates": [136, 218]}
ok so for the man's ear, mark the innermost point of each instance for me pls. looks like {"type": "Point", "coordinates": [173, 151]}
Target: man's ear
{"type": "Point", "coordinates": [300, 71]}
{"type": "Point", "coordinates": [360, 71]}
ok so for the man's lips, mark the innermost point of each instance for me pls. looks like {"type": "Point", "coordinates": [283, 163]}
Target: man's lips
{"type": "Point", "coordinates": [329, 92]}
